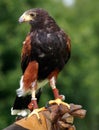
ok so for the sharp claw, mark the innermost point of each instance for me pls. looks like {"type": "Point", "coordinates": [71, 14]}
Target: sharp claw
{"type": "Point", "coordinates": [47, 105]}
{"type": "Point", "coordinates": [58, 102]}
{"type": "Point", "coordinates": [36, 112]}
{"type": "Point", "coordinates": [67, 105]}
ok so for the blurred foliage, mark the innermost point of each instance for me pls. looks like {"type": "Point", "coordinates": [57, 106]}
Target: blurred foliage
{"type": "Point", "coordinates": [79, 80]}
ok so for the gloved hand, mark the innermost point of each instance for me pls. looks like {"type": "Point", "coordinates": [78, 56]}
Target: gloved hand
{"type": "Point", "coordinates": [53, 118]}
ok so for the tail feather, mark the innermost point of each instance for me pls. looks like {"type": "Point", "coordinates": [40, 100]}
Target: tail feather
{"type": "Point", "coordinates": [21, 103]}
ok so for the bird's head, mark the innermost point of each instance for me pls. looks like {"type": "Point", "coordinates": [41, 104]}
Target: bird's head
{"type": "Point", "coordinates": [36, 17]}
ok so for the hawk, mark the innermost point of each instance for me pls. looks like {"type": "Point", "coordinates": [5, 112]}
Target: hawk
{"type": "Point", "coordinates": [45, 52]}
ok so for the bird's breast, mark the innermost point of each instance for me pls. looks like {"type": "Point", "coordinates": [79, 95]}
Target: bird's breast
{"type": "Point", "coordinates": [48, 49]}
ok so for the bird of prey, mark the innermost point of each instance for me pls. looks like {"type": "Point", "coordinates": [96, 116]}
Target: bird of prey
{"type": "Point", "coordinates": [45, 52]}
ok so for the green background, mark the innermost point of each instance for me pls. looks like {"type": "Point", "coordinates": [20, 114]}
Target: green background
{"type": "Point", "coordinates": [79, 81]}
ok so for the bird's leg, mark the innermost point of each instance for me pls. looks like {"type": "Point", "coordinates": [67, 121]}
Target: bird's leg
{"type": "Point", "coordinates": [33, 104]}
{"type": "Point", "coordinates": [58, 98]}
{"type": "Point", "coordinates": [54, 89]}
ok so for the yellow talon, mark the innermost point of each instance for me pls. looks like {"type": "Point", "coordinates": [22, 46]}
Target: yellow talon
{"type": "Point", "coordinates": [58, 102]}
{"type": "Point", "coordinates": [36, 112]}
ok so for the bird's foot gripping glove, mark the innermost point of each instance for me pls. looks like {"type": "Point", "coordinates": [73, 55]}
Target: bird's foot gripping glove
{"type": "Point", "coordinates": [56, 117]}
{"type": "Point", "coordinates": [58, 101]}
{"type": "Point", "coordinates": [33, 107]}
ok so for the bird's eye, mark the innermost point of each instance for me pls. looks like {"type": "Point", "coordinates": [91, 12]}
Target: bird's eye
{"type": "Point", "coordinates": [32, 14]}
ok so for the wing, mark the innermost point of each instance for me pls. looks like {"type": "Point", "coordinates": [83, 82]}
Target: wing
{"type": "Point", "coordinates": [68, 47]}
{"type": "Point", "coordinates": [26, 52]}
{"type": "Point", "coordinates": [51, 50]}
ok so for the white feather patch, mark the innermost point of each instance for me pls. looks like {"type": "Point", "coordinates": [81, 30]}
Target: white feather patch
{"type": "Point", "coordinates": [23, 113]}
{"type": "Point", "coordinates": [20, 92]}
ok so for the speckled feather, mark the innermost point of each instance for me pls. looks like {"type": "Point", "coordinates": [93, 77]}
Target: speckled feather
{"type": "Point", "coordinates": [48, 45]}
{"type": "Point", "coordinates": [45, 52]}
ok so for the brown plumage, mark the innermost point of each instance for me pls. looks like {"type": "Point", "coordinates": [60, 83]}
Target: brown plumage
{"type": "Point", "coordinates": [45, 51]}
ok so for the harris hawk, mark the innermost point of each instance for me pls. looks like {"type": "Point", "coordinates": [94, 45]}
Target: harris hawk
{"type": "Point", "coordinates": [45, 52]}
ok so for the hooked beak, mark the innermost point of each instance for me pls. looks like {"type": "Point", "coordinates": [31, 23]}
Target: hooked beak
{"type": "Point", "coordinates": [25, 18]}
{"type": "Point", "coordinates": [21, 19]}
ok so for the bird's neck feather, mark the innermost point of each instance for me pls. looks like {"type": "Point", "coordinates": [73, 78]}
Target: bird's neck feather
{"type": "Point", "coordinates": [48, 24]}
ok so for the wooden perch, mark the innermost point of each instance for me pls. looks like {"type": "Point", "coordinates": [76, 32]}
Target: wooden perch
{"type": "Point", "coordinates": [53, 118]}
